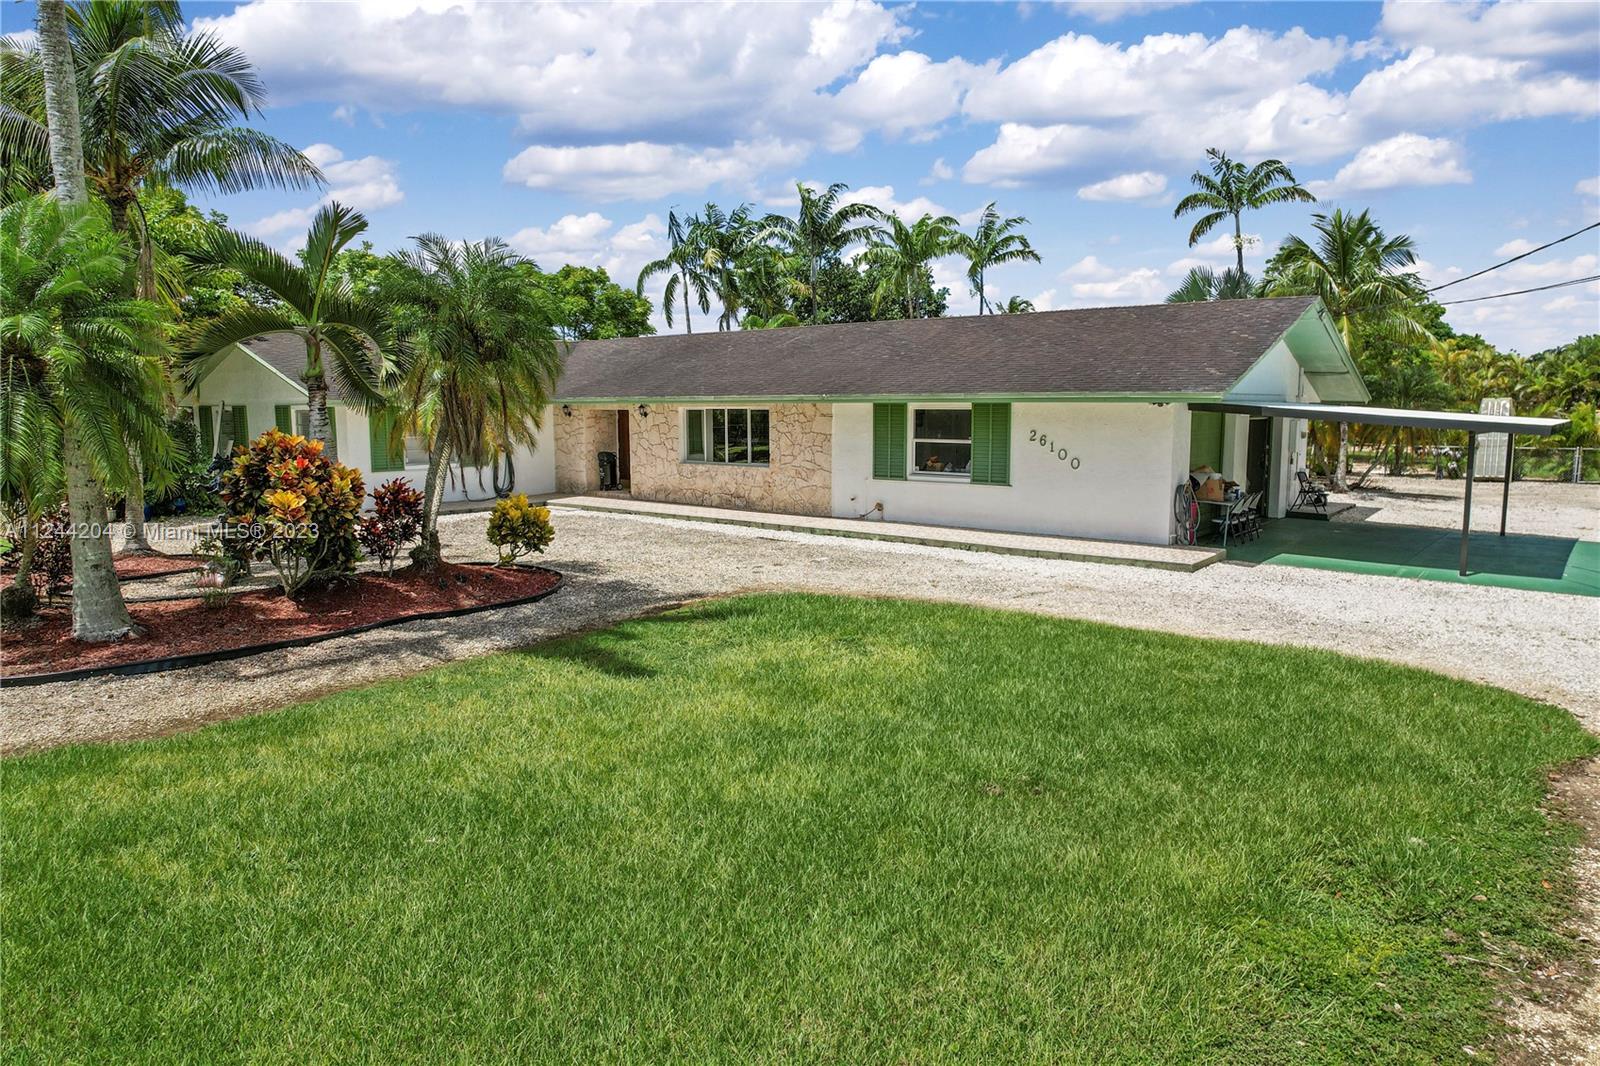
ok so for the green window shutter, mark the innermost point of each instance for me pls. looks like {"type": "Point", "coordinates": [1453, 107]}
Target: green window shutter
{"type": "Point", "coordinates": [385, 456]}
{"type": "Point", "coordinates": [333, 427]}
{"type": "Point", "coordinates": [991, 444]}
{"type": "Point", "coordinates": [889, 441]}
{"type": "Point", "coordinates": [208, 432]}
{"type": "Point", "coordinates": [241, 425]}
{"type": "Point", "coordinates": [225, 428]}
{"type": "Point", "coordinates": [283, 418]}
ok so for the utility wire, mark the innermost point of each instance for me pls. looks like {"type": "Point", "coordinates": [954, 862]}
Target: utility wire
{"type": "Point", "coordinates": [1522, 292]}
{"type": "Point", "coordinates": [1514, 258]}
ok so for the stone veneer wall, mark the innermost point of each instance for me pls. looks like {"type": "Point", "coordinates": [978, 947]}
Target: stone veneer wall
{"type": "Point", "coordinates": [798, 480]}
{"type": "Point", "coordinates": [581, 437]}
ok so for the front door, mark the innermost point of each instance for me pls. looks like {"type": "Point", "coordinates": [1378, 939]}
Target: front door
{"type": "Point", "coordinates": [624, 450]}
{"type": "Point", "coordinates": [1258, 455]}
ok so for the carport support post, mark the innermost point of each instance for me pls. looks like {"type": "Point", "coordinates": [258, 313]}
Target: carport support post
{"type": "Point", "coordinates": [1466, 510]}
{"type": "Point", "coordinates": [1505, 496]}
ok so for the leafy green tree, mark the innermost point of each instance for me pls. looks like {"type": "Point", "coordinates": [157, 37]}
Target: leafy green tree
{"type": "Point", "coordinates": [684, 265]}
{"type": "Point", "coordinates": [585, 304]}
{"type": "Point", "coordinates": [780, 320]}
{"type": "Point", "coordinates": [820, 233]}
{"type": "Point", "coordinates": [852, 295]}
{"type": "Point", "coordinates": [1202, 284]}
{"type": "Point", "coordinates": [482, 360]}
{"type": "Point", "coordinates": [345, 332]}
{"type": "Point", "coordinates": [994, 243]}
{"type": "Point", "coordinates": [904, 255]}
{"type": "Point", "coordinates": [80, 378]}
{"type": "Point", "coordinates": [1365, 280]}
{"type": "Point", "coordinates": [1231, 189]}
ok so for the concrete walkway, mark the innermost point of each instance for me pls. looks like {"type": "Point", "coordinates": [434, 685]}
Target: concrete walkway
{"type": "Point", "coordinates": [1159, 557]}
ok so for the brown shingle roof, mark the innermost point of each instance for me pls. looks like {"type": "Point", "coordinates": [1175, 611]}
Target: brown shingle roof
{"type": "Point", "coordinates": [1160, 349]}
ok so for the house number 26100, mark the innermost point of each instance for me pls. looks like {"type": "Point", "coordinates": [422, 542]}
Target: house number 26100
{"type": "Point", "coordinates": [1055, 448]}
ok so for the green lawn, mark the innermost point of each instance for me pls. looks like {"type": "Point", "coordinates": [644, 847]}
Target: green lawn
{"type": "Point", "coordinates": [803, 829]}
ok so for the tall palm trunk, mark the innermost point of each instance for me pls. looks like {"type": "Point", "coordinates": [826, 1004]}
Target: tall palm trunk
{"type": "Point", "coordinates": [98, 612]}
{"type": "Point", "coordinates": [426, 553]}
{"type": "Point", "coordinates": [316, 383]}
{"type": "Point", "coordinates": [688, 326]}
{"type": "Point", "coordinates": [61, 103]}
{"type": "Point", "coordinates": [1238, 241]}
{"type": "Point", "coordinates": [137, 541]}
{"type": "Point", "coordinates": [981, 301]}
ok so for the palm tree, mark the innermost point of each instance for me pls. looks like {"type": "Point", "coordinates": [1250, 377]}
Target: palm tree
{"type": "Point", "coordinates": [158, 104]}
{"type": "Point", "coordinates": [343, 330]}
{"type": "Point", "coordinates": [1364, 279]}
{"type": "Point", "coordinates": [1017, 305]}
{"type": "Point", "coordinates": [904, 254]}
{"type": "Point", "coordinates": [993, 243]}
{"type": "Point", "coordinates": [1202, 284]}
{"type": "Point", "coordinates": [724, 241]}
{"type": "Point", "coordinates": [483, 360]}
{"type": "Point", "coordinates": [77, 371]}
{"type": "Point", "coordinates": [98, 612]}
{"type": "Point", "coordinates": [684, 265]}
{"type": "Point", "coordinates": [821, 232]}
{"type": "Point", "coordinates": [1232, 189]}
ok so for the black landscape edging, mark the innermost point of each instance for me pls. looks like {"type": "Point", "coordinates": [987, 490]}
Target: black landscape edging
{"type": "Point", "coordinates": [203, 658]}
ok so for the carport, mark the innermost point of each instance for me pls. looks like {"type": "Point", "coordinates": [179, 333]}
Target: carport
{"type": "Point", "coordinates": [1469, 423]}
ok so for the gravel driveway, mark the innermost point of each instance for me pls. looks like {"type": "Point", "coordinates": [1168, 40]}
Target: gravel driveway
{"type": "Point", "coordinates": [1540, 644]}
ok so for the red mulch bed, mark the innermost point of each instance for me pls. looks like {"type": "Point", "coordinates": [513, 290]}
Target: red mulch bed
{"type": "Point", "coordinates": [135, 566]}
{"type": "Point", "coordinates": [154, 565]}
{"type": "Point", "coordinates": [189, 627]}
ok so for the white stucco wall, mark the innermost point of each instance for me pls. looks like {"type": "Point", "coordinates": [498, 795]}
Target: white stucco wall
{"type": "Point", "coordinates": [241, 380]}
{"type": "Point", "coordinates": [1130, 456]}
{"type": "Point", "coordinates": [535, 470]}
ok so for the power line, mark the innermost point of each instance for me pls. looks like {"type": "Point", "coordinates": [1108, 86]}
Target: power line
{"type": "Point", "coordinates": [1523, 292]}
{"type": "Point", "coordinates": [1514, 258]}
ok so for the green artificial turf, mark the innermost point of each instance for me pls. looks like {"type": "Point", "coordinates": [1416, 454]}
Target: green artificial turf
{"type": "Point", "coordinates": [1518, 561]}
{"type": "Point", "coordinates": [790, 828]}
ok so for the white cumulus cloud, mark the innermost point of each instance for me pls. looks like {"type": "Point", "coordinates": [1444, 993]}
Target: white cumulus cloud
{"type": "Point", "coordinates": [644, 171]}
{"type": "Point", "coordinates": [369, 183]}
{"type": "Point", "coordinates": [1140, 185]}
{"type": "Point", "coordinates": [1404, 159]}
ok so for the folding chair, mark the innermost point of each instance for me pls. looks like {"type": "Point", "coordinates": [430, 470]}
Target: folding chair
{"type": "Point", "coordinates": [1311, 494]}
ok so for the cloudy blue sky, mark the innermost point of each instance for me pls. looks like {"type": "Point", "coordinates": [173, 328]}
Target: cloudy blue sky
{"type": "Point", "coordinates": [571, 130]}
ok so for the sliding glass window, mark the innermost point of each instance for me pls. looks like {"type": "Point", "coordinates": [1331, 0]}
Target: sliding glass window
{"type": "Point", "coordinates": [734, 435]}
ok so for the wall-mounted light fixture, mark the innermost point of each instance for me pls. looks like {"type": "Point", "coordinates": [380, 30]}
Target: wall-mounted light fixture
{"type": "Point", "coordinates": [644, 411]}
{"type": "Point", "coordinates": [566, 410]}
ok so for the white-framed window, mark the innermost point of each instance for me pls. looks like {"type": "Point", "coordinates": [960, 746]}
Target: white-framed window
{"type": "Point", "coordinates": [416, 449]}
{"type": "Point", "coordinates": [302, 421]}
{"type": "Point", "coordinates": [941, 441]}
{"type": "Point", "coordinates": [735, 435]}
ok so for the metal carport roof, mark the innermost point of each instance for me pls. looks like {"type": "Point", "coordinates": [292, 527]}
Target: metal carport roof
{"type": "Point", "coordinates": [1469, 422]}
{"type": "Point", "coordinates": [1472, 424]}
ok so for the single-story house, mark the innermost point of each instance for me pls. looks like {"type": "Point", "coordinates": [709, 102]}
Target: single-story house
{"type": "Point", "coordinates": [256, 386]}
{"type": "Point", "coordinates": [1075, 423]}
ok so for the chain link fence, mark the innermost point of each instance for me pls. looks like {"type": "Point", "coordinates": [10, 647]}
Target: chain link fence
{"type": "Point", "coordinates": [1557, 464]}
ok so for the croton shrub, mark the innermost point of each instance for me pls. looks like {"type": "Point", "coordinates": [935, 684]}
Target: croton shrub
{"type": "Point", "coordinates": [287, 504]}
{"type": "Point", "coordinates": [519, 528]}
{"type": "Point", "coordinates": [394, 521]}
